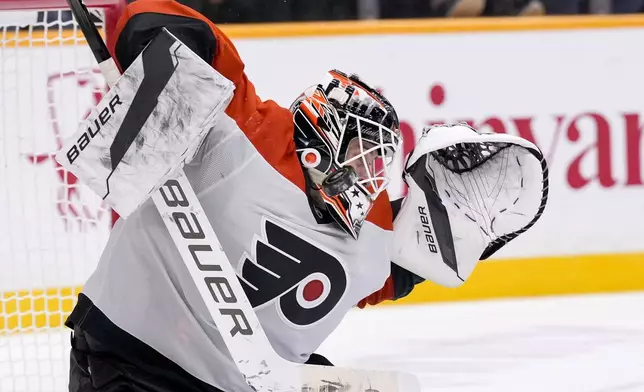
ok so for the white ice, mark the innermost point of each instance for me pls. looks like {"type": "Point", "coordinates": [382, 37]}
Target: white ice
{"type": "Point", "coordinates": [557, 344]}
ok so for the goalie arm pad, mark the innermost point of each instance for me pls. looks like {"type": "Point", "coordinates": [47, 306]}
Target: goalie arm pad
{"type": "Point", "coordinates": [469, 195]}
{"type": "Point", "coordinates": [144, 19]}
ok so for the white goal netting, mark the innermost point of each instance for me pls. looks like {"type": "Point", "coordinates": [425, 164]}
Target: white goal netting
{"type": "Point", "coordinates": [52, 229]}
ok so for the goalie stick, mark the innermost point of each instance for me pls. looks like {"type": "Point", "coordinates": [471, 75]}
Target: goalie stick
{"type": "Point", "coordinates": [220, 288]}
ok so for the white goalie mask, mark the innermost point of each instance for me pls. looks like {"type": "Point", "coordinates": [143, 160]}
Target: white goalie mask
{"type": "Point", "coordinates": [470, 193]}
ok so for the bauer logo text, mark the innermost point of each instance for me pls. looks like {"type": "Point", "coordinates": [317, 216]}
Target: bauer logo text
{"type": "Point", "coordinates": [427, 230]}
{"type": "Point", "coordinates": [198, 245]}
{"type": "Point", "coordinates": [94, 127]}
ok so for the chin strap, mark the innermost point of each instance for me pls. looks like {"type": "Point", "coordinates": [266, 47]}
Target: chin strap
{"type": "Point", "coordinates": [316, 204]}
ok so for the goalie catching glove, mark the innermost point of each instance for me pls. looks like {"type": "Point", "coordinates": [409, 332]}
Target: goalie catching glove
{"type": "Point", "coordinates": [470, 193]}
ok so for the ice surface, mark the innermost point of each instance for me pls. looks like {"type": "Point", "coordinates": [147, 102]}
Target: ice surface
{"type": "Point", "coordinates": [558, 344]}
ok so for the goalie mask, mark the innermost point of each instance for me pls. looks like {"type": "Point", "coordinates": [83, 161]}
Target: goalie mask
{"type": "Point", "coordinates": [346, 135]}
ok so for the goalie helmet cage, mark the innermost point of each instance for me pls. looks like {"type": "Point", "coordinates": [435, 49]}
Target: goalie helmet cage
{"type": "Point", "coordinates": [52, 228]}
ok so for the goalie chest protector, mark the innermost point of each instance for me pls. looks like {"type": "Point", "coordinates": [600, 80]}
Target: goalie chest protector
{"type": "Point", "coordinates": [300, 276]}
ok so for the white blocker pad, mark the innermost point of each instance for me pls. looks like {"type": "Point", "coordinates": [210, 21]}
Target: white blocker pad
{"type": "Point", "coordinates": [469, 195]}
{"type": "Point", "coordinates": [151, 122]}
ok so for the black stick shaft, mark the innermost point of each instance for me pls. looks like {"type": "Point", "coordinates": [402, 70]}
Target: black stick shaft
{"type": "Point", "coordinates": [93, 37]}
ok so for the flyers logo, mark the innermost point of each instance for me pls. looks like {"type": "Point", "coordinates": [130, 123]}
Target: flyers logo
{"type": "Point", "coordinates": [304, 281]}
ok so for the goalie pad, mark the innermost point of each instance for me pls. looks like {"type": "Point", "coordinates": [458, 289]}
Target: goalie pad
{"type": "Point", "coordinates": [151, 122]}
{"type": "Point", "coordinates": [470, 193]}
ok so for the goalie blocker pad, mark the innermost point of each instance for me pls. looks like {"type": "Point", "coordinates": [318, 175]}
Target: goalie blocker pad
{"type": "Point", "coordinates": [151, 122]}
{"type": "Point", "coordinates": [470, 193]}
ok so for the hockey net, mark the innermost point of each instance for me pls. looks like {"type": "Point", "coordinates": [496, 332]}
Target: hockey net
{"type": "Point", "coordinates": [52, 228]}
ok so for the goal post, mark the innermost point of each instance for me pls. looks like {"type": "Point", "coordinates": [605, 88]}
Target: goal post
{"type": "Point", "coordinates": [42, 5]}
{"type": "Point", "coordinates": [52, 228]}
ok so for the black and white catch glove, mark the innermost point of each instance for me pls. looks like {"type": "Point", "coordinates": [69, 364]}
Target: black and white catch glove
{"type": "Point", "coordinates": [470, 193]}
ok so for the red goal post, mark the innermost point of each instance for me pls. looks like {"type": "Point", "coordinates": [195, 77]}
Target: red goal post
{"type": "Point", "coordinates": [112, 8]}
{"type": "Point", "coordinates": [40, 5]}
